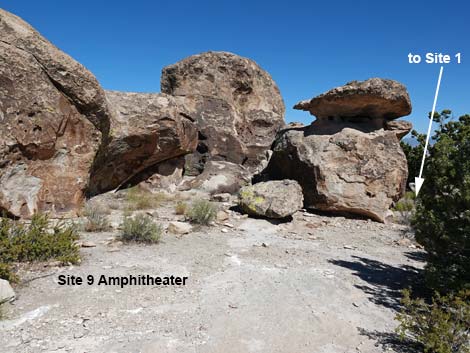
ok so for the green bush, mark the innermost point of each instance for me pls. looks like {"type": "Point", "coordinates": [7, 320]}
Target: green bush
{"type": "Point", "coordinates": [201, 212]}
{"type": "Point", "coordinates": [414, 154]}
{"type": "Point", "coordinates": [442, 220]}
{"type": "Point", "coordinates": [96, 218]}
{"type": "Point", "coordinates": [141, 228]}
{"type": "Point", "coordinates": [406, 206]}
{"type": "Point", "coordinates": [36, 241]}
{"type": "Point", "coordinates": [440, 327]}
{"type": "Point", "coordinates": [181, 207]}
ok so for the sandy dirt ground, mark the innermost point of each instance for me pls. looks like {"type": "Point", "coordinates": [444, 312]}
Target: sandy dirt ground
{"type": "Point", "coordinates": [315, 284]}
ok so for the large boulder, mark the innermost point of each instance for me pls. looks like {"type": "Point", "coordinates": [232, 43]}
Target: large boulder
{"type": "Point", "coordinates": [349, 160]}
{"type": "Point", "coordinates": [349, 171]}
{"type": "Point", "coordinates": [271, 199]}
{"type": "Point", "coordinates": [53, 118]}
{"type": "Point", "coordinates": [147, 129]}
{"type": "Point", "coordinates": [374, 98]}
{"type": "Point", "coordinates": [237, 105]}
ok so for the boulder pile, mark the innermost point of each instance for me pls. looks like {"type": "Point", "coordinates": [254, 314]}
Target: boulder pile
{"type": "Point", "coordinates": [349, 160]}
{"type": "Point", "coordinates": [63, 138]}
{"type": "Point", "coordinates": [237, 106]}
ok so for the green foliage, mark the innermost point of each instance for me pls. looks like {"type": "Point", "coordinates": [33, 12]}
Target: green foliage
{"type": "Point", "coordinates": [201, 212]}
{"type": "Point", "coordinates": [414, 155]}
{"type": "Point", "coordinates": [440, 327]}
{"type": "Point", "coordinates": [141, 228]}
{"type": "Point", "coordinates": [442, 220]}
{"type": "Point", "coordinates": [181, 207]}
{"type": "Point", "coordinates": [36, 241]}
{"type": "Point", "coordinates": [138, 199]}
{"type": "Point", "coordinates": [406, 206]}
{"type": "Point", "coordinates": [96, 218]}
{"type": "Point", "coordinates": [407, 203]}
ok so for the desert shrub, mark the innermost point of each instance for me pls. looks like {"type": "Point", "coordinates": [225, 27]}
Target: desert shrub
{"type": "Point", "coordinates": [442, 326]}
{"type": "Point", "coordinates": [442, 220]}
{"type": "Point", "coordinates": [201, 212]}
{"type": "Point", "coordinates": [180, 207]}
{"type": "Point", "coordinates": [414, 154]}
{"type": "Point", "coordinates": [138, 199]}
{"type": "Point", "coordinates": [96, 218]}
{"type": "Point", "coordinates": [406, 206]}
{"type": "Point", "coordinates": [36, 241]}
{"type": "Point", "coordinates": [141, 228]}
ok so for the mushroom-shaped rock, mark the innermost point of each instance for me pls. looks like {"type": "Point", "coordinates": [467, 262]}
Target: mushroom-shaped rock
{"type": "Point", "coordinates": [374, 98]}
{"type": "Point", "coordinates": [271, 199]}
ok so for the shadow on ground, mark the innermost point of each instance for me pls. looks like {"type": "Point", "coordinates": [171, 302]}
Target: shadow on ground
{"type": "Point", "coordinates": [416, 255]}
{"type": "Point", "coordinates": [384, 282]}
{"type": "Point", "coordinates": [391, 341]}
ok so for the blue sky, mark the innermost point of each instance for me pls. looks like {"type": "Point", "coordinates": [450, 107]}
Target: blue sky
{"type": "Point", "coordinates": [308, 47]}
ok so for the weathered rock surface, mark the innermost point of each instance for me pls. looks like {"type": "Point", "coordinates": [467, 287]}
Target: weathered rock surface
{"type": "Point", "coordinates": [179, 227]}
{"type": "Point", "coordinates": [272, 199]}
{"type": "Point", "coordinates": [375, 98]}
{"type": "Point", "coordinates": [349, 160]}
{"type": "Point", "coordinates": [53, 116]}
{"type": "Point", "coordinates": [165, 175]}
{"type": "Point", "coordinates": [147, 129]}
{"type": "Point", "coordinates": [220, 177]}
{"type": "Point", "coordinates": [6, 292]}
{"type": "Point", "coordinates": [237, 105]}
{"type": "Point", "coordinates": [400, 127]}
{"type": "Point", "coordinates": [349, 171]}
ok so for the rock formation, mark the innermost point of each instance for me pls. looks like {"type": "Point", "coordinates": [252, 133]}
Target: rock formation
{"type": "Point", "coordinates": [348, 160]}
{"type": "Point", "coordinates": [61, 139]}
{"type": "Point", "coordinates": [237, 106]}
{"type": "Point", "coordinates": [220, 177]}
{"type": "Point", "coordinates": [53, 117]}
{"type": "Point", "coordinates": [374, 98]}
{"type": "Point", "coordinates": [147, 129]}
{"type": "Point", "coordinates": [272, 199]}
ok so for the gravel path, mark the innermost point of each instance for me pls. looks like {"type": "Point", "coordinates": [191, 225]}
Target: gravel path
{"type": "Point", "coordinates": [316, 284]}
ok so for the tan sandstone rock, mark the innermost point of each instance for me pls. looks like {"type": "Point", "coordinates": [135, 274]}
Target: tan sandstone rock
{"type": "Point", "coordinates": [272, 199]}
{"type": "Point", "coordinates": [349, 160]}
{"type": "Point", "coordinates": [237, 105]}
{"type": "Point", "coordinates": [220, 177]}
{"type": "Point", "coordinates": [373, 98]}
{"type": "Point", "coordinates": [147, 129]}
{"type": "Point", "coordinates": [53, 117]}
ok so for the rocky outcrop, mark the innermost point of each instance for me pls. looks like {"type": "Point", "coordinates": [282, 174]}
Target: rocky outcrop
{"type": "Point", "coordinates": [62, 137]}
{"type": "Point", "coordinates": [53, 118]}
{"type": "Point", "coordinates": [236, 104]}
{"type": "Point", "coordinates": [347, 161]}
{"type": "Point", "coordinates": [148, 129]}
{"type": "Point", "coordinates": [220, 177]}
{"type": "Point", "coordinates": [375, 98]}
{"type": "Point", "coordinates": [271, 199]}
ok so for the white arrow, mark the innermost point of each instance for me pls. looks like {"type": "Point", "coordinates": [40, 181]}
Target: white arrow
{"type": "Point", "coordinates": [419, 180]}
